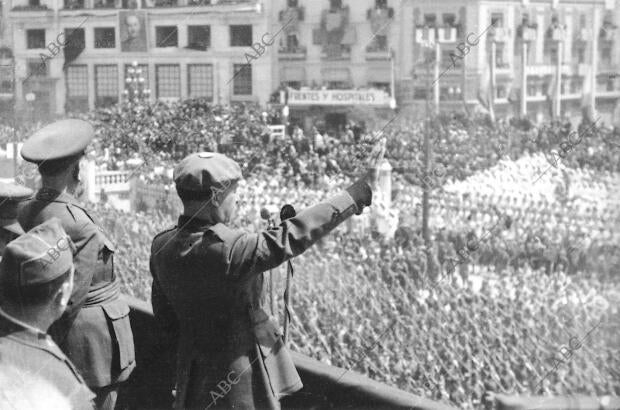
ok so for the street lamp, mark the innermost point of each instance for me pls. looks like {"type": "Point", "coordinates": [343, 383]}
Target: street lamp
{"type": "Point", "coordinates": [135, 85]}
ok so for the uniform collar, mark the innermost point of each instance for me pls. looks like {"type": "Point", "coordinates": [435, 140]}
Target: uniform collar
{"type": "Point", "coordinates": [193, 223]}
{"type": "Point", "coordinates": [20, 330]}
{"type": "Point", "coordinates": [25, 334]}
{"type": "Point", "coordinates": [52, 195]}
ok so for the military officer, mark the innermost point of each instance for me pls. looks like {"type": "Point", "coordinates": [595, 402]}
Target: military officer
{"type": "Point", "coordinates": [36, 278]}
{"type": "Point", "coordinates": [10, 197]}
{"type": "Point", "coordinates": [94, 332]}
{"type": "Point", "coordinates": [207, 285]}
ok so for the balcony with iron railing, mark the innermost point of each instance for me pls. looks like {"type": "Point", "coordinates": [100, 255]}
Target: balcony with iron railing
{"type": "Point", "coordinates": [67, 5]}
{"type": "Point", "coordinates": [292, 52]}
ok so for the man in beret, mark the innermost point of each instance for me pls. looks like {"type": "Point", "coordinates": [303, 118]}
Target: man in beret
{"type": "Point", "coordinates": [207, 287]}
{"type": "Point", "coordinates": [10, 197]}
{"type": "Point", "coordinates": [36, 279]}
{"type": "Point", "coordinates": [94, 331]}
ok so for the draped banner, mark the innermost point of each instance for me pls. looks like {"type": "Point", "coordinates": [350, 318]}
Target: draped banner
{"type": "Point", "coordinates": [338, 97]}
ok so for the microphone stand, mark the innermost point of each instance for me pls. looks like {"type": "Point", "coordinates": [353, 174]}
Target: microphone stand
{"type": "Point", "coordinates": [287, 212]}
{"type": "Point", "coordinates": [272, 299]}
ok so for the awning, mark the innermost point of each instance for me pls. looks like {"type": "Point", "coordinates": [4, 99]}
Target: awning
{"type": "Point", "coordinates": [336, 74]}
{"type": "Point", "coordinates": [293, 74]}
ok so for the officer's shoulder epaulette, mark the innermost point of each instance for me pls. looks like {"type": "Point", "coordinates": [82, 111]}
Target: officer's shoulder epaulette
{"type": "Point", "coordinates": [172, 228]}
{"type": "Point", "coordinates": [222, 232]}
{"type": "Point", "coordinates": [156, 237]}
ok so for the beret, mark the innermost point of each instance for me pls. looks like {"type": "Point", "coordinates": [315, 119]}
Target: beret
{"type": "Point", "coordinates": [37, 257]}
{"type": "Point", "coordinates": [60, 139]}
{"type": "Point", "coordinates": [10, 196]}
{"type": "Point", "coordinates": [199, 173]}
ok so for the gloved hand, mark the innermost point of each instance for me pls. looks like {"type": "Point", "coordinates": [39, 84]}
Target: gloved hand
{"type": "Point", "coordinates": [361, 193]}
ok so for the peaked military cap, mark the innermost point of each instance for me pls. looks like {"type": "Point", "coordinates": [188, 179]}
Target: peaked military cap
{"type": "Point", "coordinates": [60, 139]}
{"type": "Point", "coordinates": [10, 196]}
{"type": "Point", "coordinates": [39, 256]}
{"type": "Point", "coordinates": [197, 174]}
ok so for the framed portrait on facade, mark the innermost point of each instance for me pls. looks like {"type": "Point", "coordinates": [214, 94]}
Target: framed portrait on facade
{"type": "Point", "coordinates": [133, 30]}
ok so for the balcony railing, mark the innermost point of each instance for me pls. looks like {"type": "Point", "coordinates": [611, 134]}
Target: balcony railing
{"type": "Point", "coordinates": [133, 4]}
{"type": "Point", "coordinates": [446, 34]}
{"type": "Point", "coordinates": [292, 53]}
{"type": "Point", "coordinates": [425, 34]}
{"type": "Point", "coordinates": [41, 7]}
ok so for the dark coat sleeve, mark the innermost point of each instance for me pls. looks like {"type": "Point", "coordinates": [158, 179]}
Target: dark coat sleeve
{"type": "Point", "coordinates": [251, 254]}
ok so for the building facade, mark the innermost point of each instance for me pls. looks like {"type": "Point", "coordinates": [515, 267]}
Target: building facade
{"type": "Point", "coordinates": [319, 58]}
{"type": "Point", "coordinates": [536, 58]}
{"type": "Point", "coordinates": [79, 54]}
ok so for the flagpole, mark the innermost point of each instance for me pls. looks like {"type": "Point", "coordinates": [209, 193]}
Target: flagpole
{"type": "Point", "coordinates": [436, 75]}
{"type": "Point", "coordinates": [492, 79]}
{"type": "Point", "coordinates": [524, 78]}
{"type": "Point", "coordinates": [594, 66]}
{"type": "Point", "coordinates": [558, 82]}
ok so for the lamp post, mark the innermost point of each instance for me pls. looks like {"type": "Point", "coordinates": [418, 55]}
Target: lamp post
{"type": "Point", "coordinates": [431, 50]}
{"type": "Point", "coordinates": [558, 38]}
{"type": "Point", "coordinates": [528, 34]}
{"type": "Point", "coordinates": [30, 98]}
{"type": "Point", "coordinates": [136, 89]}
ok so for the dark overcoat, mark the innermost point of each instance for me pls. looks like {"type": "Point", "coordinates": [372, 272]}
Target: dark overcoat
{"type": "Point", "coordinates": [94, 332]}
{"type": "Point", "coordinates": [207, 283]}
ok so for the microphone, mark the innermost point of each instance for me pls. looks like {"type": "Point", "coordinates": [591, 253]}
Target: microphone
{"type": "Point", "coordinates": [287, 212]}
{"type": "Point", "coordinates": [265, 214]}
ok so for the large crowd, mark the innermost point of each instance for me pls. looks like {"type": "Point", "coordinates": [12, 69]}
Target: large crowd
{"type": "Point", "coordinates": [494, 324]}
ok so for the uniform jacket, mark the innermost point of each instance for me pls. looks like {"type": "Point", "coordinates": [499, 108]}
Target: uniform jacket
{"type": "Point", "coordinates": [94, 332]}
{"type": "Point", "coordinates": [37, 354]}
{"type": "Point", "coordinates": [206, 281]}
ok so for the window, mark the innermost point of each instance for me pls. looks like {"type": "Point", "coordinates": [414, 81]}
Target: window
{"type": "Point", "coordinates": [293, 3]}
{"type": "Point", "coordinates": [105, 37]}
{"type": "Point", "coordinates": [430, 20]}
{"type": "Point", "coordinates": [74, 4]}
{"type": "Point", "coordinates": [104, 4]}
{"type": "Point", "coordinates": [381, 4]}
{"type": "Point", "coordinates": [580, 52]}
{"type": "Point", "coordinates": [606, 55]}
{"type": "Point", "coordinates": [499, 56]}
{"type": "Point", "coordinates": [200, 81]}
{"type": "Point", "coordinates": [35, 38]}
{"type": "Point", "coordinates": [501, 91]}
{"type": "Point", "coordinates": [106, 85]}
{"type": "Point", "coordinates": [335, 4]}
{"type": "Point", "coordinates": [34, 3]}
{"type": "Point", "coordinates": [240, 36]}
{"type": "Point", "coordinates": [449, 19]}
{"type": "Point", "coordinates": [168, 80]}
{"type": "Point", "coordinates": [293, 84]}
{"type": "Point", "coordinates": [497, 19]}
{"type": "Point", "coordinates": [337, 85]}
{"type": "Point", "coordinates": [449, 93]}
{"type": "Point", "coordinates": [450, 58]}
{"type": "Point", "coordinates": [77, 88]}
{"type": "Point", "coordinates": [37, 68]}
{"type": "Point", "coordinates": [380, 86]}
{"type": "Point", "coordinates": [242, 83]}
{"type": "Point", "coordinates": [198, 37]}
{"type": "Point", "coordinates": [420, 93]}
{"type": "Point", "coordinates": [166, 36]}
